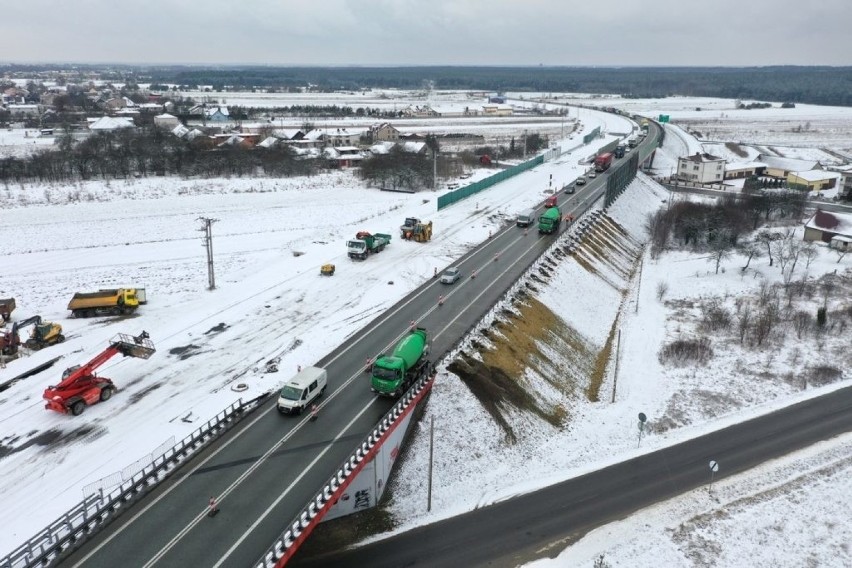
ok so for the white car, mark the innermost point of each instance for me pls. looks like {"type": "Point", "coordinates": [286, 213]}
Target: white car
{"type": "Point", "coordinates": [592, 175]}
{"type": "Point", "coordinates": [580, 181]}
{"type": "Point", "coordinates": [450, 275]}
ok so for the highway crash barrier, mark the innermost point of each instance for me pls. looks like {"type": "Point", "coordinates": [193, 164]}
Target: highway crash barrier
{"type": "Point", "coordinates": [98, 509]}
{"type": "Point", "coordinates": [303, 524]}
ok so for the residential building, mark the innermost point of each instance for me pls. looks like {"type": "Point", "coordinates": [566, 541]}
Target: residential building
{"type": "Point", "coordinates": [845, 189]}
{"type": "Point", "coordinates": [23, 110]}
{"type": "Point", "coordinates": [166, 121]}
{"type": "Point", "coordinates": [832, 228]}
{"type": "Point", "coordinates": [106, 123]}
{"type": "Point", "coordinates": [384, 133]}
{"type": "Point", "coordinates": [812, 180]}
{"type": "Point", "coordinates": [701, 168]}
{"type": "Point", "coordinates": [780, 168]}
{"type": "Point", "coordinates": [744, 170]}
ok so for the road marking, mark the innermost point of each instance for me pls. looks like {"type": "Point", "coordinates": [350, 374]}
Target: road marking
{"type": "Point", "coordinates": [204, 462]}
{"type": "Point", "coordinates": [290, 487]}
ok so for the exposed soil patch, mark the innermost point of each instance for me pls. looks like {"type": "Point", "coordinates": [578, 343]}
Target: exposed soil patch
{"type": "Point", "coordinates": [52, 438]}
{"type": "Point", "coordinates": [185, 351]}
{"type": "Point", "coordinates": [136, 397]}
{"type": "Point", "coordinates": [218, 328]}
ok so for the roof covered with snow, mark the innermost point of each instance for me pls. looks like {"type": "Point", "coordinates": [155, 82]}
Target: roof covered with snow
{"type": "Point", "coordinates": [111, 123]}
{"type": "Point", "coordinates": [834, 222]}
{"type": "Point", "coordinates": [816, 175]}
{"type": "Point", "coordinates": [789, 164]}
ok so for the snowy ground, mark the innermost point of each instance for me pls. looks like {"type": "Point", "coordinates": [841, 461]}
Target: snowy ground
{"type": "Point", "coordinates": [270, 238]}
{"type": "Point", "coordinates": [61, 239]}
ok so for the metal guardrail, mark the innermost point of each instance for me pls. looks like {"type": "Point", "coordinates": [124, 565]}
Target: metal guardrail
{"type": "Point", "coordinates": [96, 511]}
{"type": "Point", "coordinates": [304, 522]}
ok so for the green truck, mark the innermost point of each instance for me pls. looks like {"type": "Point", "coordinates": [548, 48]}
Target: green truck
{"type": "Point", "coordinates": [365, 243]}
{"type": "Point", "coordinates": [394, 374]}
{"type": "Point", "coordinates": [549, 221]}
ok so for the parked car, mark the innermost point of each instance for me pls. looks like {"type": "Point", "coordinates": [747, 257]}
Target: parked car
{"type": "Point", "coordinates": [450, 275]}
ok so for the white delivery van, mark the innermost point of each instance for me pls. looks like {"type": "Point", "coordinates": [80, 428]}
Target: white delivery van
{"type": "Point", "coordinates": [299, 392]}
{"type": "Point", "coordinates": [526, 218]}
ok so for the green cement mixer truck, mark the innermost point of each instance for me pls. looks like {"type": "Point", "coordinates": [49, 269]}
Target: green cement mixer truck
{"type": "Point", "coordinates": [393, 374]}
{"type": "Point", "coordinates": [549, 221]}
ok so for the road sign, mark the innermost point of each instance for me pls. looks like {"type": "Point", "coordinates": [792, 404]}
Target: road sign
{"type": "Point", "coordinates": [663, 118]}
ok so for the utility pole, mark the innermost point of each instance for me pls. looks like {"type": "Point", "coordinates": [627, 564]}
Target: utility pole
{"type": "Point", "coordinates": [207, 229]}
{"type": "Point", "coordinates": [434, 168]}
{"type": "Point", "coordinates": [431, 453]}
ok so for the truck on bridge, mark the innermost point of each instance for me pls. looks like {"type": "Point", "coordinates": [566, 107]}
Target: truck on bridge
{"type": "Point", "coordinates": [603, 162]}
{"type": "Point", "coordinates": [392, 375]}
{"type": "Point", "coordinates": [548, 222]}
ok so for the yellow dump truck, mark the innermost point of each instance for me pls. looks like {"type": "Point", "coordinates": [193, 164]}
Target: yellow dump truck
{"type": "Point", "coordinates": [109, 302]}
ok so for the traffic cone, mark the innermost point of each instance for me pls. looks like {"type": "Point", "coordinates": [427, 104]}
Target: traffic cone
{"type": "Point", "coordinates": [369, 364]}
{"type": "Point", "coordinates": [440, 300]}
{"type": "Point", "coordinates": [314, 413]}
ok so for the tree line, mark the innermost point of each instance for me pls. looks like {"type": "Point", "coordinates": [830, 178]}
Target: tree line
{"type": "Point", "coordinates": [150, 151]}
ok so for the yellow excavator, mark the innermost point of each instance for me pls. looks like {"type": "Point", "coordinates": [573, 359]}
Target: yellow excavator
{"type": "Point", "coordinates": [43, 334]}
{"type": "Point", "coordinates": [415, 230]}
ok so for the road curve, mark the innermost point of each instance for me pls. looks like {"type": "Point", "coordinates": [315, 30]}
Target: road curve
{"type": "Point", "coordinates": [513, 532]}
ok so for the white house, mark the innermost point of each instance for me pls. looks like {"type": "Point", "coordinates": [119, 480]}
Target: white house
{"type": "Point", "coordinates": [106, 123]}
{"type": "Point", "coordinates": [166, 121]}
{"type": "Point", "coordinates": [701, 168]}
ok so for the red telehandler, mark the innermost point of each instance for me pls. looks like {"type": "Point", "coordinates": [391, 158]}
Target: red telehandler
{"type": "Point", "coordinates": [81, 387]}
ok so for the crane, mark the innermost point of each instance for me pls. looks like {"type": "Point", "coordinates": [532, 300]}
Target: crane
{"type": "Point", "coordinates": [81, 387]}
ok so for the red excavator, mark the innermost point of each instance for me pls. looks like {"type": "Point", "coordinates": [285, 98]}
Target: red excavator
{"type": "Point", "coordinates": [80, 387]}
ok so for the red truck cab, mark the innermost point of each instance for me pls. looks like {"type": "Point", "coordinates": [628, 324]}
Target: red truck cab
{"type": "Point", "coordinates": [550, 201]}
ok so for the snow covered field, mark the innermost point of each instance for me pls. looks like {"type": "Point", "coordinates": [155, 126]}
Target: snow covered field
{"type": "Point", "coordinates": [269, 241]}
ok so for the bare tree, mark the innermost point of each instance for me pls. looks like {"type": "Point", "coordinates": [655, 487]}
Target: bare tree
{"type": "Point", "coordinates": [802, 321]}
{"type": "Point", "coordinates": [743, 320]}
{"type": "Point", "coordinates": [750, 250]}
{"type": "Point", "coordinates": [763, 325]}
{"type": "Point", "coordinates": [809, 252]}
{"type": "Point", "coordinates": [840, 254]}
{"type": "Point", "coordinates": [766, 238]}
{"type": "Point", "coordinates": [662, 289]}
{"type": "Point", "coordinates": [720, 248]}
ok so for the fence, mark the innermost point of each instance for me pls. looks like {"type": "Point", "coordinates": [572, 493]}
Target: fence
{"type": "Point", "coordinates": [128, 472]}
{"type": "Point", "coordinates": [97, 510]}
{"type": "Point", "coordinates": [454, 196]}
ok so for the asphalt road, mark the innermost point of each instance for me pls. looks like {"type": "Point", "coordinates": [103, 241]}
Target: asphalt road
{"type": "Point", "coordinates": [265, 470]}
{"type": "Point", "coordinates": [516, 531]}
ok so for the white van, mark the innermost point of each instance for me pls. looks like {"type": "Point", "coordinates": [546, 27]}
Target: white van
{"type": "Point", "coordinates": [526, 218]}
{"type": "Point", "coordinates": [300, 391]}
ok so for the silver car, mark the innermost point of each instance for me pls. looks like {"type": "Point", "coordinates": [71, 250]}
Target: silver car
{"type": "Point", "coordinates": [450, 275]}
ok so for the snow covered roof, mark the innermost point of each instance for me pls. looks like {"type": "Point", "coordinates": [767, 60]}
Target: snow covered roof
{"type": "Point", "coordinates": [698, 157]}
{"type": "Point", "coordinates": [314, 134]}
{"type": "Point", "coordinates": [165, 115]}
{"type": "Point", "coordinates": [816, 175]}
{"type": "Point", "coordinates": [834, 222]}
{"type": "Point", "coordinates": [287, 133]}
{"type": "Point", "coordinates": [268, 142]}
{"type": "Point", "coordinates": [789, 164]}
{"type": "Point", "coordinates": [180, 130]}
{"type": "Point", "coordinates": [381, 147]}
{"type": "Point", "coordinates": [232, 140]}
{"type": "Point", "coordinates": [111, 123]}
{"type": "Point", "coordinates": [744, 166]}
{"type": "Point", "coordinates": [344, 149]}
{"type": "Point", "coordinates": [413, 147]}
{"type": "Point", "coordinates": [193, 134]}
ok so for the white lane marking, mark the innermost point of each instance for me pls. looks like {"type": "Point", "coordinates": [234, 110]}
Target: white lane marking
{"type": "Point", "coordinates": [290, 487]}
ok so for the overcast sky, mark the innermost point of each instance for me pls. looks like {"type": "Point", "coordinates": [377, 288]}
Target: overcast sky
{"type": "Point", "coordinates": [429, 32]}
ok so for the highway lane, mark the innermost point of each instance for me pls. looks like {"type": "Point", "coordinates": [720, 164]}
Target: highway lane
{"type": "Point", "coordinates": [516, 531]}
{"type": "Point", "coordinates": [270, 466]}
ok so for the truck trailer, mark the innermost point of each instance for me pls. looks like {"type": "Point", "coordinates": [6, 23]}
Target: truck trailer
{"type": "Point", "coordinates": [603, 162]}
